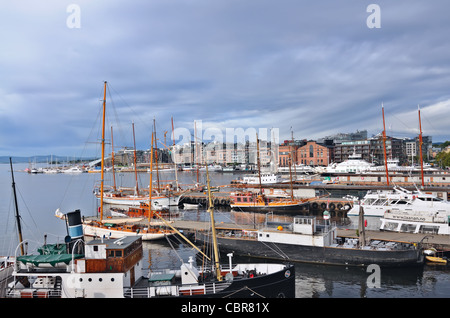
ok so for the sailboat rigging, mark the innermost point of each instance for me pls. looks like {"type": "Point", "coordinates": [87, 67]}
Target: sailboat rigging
{"type": "Point", "coordinates": [116, 228]}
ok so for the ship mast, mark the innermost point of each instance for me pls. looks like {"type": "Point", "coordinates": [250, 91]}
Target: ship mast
{"type": "Point", "coordinates": [420, 147]}
{"type": "Point", "coordinates": [150, 188]}
{"type": "Point", "coordinates": [384, 146]}
{"type": "Point", "coordinates": [213, 227]}
{"type": "Point", "coordinates": [112, 159]}
{"type": "Point", "coordinates": [103, 154]}
{"type": "Point", "coordinates": [258, 163]}
{"type": "Point", "coordinates": [135, 163]}
{"type": "Point", "coordinates": [174, 156]}
{"type": "Point", "coordinates": [19, 227]}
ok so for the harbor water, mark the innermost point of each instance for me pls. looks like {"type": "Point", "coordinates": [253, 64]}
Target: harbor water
{"type": "Point", "coordinates": [39, 195]}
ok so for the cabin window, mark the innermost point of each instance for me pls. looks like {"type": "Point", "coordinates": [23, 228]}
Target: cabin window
{"type": "Point", "coordinates": [118, 253]}
{"type": "Point", "coordinates": [95, 248]}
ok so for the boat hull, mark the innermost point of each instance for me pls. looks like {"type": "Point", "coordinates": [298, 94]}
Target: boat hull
{"type": "Point", "coordinates": [276, 285]}
{"type": "Point", "coordinates": [268, 208]}
{"type": "Point", "coordinates": [115, 234]}
{"type": "Point", "coordinates": [319, 255]}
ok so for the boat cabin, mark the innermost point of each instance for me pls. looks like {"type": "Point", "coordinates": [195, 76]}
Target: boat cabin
{"type": "Point", "coordinates": [110, 255]}
{"type": "Point", "coordinates": [304, 230]}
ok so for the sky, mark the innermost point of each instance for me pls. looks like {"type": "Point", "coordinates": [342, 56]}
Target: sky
{"type": "Point", "coordinates": [307, 68]}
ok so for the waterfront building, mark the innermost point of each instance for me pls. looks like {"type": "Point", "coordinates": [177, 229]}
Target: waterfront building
{"type": "Point", "coordinates": [314, 154]}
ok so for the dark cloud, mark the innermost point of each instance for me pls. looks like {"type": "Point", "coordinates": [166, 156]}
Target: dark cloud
{"type": "Point", "coordinates": [312, 66]}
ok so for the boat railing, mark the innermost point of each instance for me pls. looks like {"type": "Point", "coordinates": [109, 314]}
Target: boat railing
{"type": "Point", "coordinates": [175, 290]}
{"type": "Point", "coordinates": [14, 292]}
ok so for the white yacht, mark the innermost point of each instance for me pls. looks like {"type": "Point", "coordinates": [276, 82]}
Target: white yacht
{"type": "Point", "coordinates": [354, 164]}
{"type": "Point", "coordinates": [432, 222]}
{"type": "Point", "coordinates": [376, 203]}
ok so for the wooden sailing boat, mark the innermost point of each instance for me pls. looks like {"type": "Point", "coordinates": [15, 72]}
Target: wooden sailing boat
{"type": "Point", "coordinates": [117, 227]}
{"type": "Point", "coordinates": [259, 202]}
{"type": "Point", "coordinates": [125, 197]}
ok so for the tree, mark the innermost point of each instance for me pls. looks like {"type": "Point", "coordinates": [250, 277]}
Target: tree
{"type": "Point", "coordinates": [443, 159]}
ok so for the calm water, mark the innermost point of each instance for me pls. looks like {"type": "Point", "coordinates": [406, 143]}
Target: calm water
{"type": "Point", "coordinates": [40, 195]}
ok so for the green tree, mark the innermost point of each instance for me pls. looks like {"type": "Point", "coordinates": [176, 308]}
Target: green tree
{"type": "Point", "coordinates": [443, 159]}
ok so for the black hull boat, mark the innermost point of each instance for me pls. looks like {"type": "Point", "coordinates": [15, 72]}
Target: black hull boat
{"type": "Point", "coordinates": [307, 242]}
{"type": "Point", "coordinates": [244, 281]}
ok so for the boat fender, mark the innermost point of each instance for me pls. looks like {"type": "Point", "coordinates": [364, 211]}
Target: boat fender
{"type": "Point", "coordinates": [251, 274]}
{"type": "Point", "coordinates": [280, 228]}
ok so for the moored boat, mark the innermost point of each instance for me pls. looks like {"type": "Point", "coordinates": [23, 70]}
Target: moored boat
{"type": "Point", "coordinates": [250, 201]}
{"type": "Point", "coordinates": [306, 240]}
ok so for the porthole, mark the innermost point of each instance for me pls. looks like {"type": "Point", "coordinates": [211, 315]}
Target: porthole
{"type": "Point", "coordinates": [112, 279]}
{"type": "Point", "coordinates": [100, 279]}
{"type": "Point", "coordinates": [89, 279]}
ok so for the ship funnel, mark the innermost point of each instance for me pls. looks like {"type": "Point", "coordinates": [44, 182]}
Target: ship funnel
{"type": "Point", "coordinates": [75, 230]}
{"type": "Point", "coordinates": [75, 225]}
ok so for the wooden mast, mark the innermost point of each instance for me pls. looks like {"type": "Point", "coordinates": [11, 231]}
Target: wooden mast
{"type": "Point", "coordinates": [213, 227]}
{"type": "Point", "coordinates": [150, 187]}
{"type": "Point", "coordinates": [420, 148]}
{"type": "Point", "coordinates": [174, 156]}
{"type": "Point", "coordinates": [103, 154]}
{"type": "Point", "coordinates": [19, 227]}
{"type": "Point", "coordinates": [112, 159]}
{"type": "Point", "coordinates": [384, 146]}
{"type": "Point", "coordinates": [135, 163]}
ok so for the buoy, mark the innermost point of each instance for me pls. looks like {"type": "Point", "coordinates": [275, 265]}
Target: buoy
{"type": "Point", "coordinates": [280, 228]}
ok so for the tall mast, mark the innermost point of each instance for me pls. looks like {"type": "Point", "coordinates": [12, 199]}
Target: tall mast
{"type": "Point", "coordinates": [290, 177]}
{"type": "Point", "coordinates": [112, 159]}
{"type": "Point", "coordinates": [384, 147]}
{"type": "Point", "coordinates": [150, 187]}
{"type": "Point", "coordinates": [135, 163]}
{"type": "Point", "coordinates": [420, 147]}
{"type": "Point", "coordinates": [19, 227]}
{"type": "Point", "coordinates": [259, 163]}
{"type": "Point", "coordinates": [174, 156]}
{"type": "Point", "coordinates": [103, 154]}
{"type": "Point", "coordinates": [156, 157]}
{"type": "Point", "coordinates": [213, 226]}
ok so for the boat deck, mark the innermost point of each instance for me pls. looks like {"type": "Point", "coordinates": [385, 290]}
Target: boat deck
{"type": "Point", "coordinates": [441, 242]}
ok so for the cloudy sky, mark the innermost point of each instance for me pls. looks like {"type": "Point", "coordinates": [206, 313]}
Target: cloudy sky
{"type": "Point", "coordinates": [311, 66]}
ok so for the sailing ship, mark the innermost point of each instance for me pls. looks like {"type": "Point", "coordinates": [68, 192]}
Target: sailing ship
{"type": "Point", "coordinates": [113, 227]}
{"type": "Point", "coordinates": [163, 198]}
